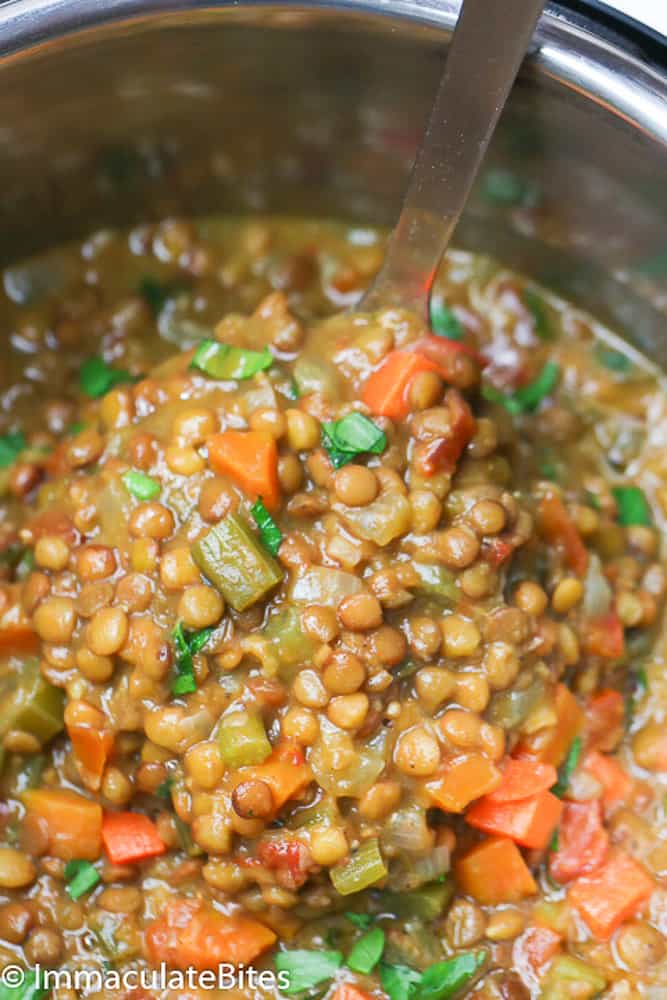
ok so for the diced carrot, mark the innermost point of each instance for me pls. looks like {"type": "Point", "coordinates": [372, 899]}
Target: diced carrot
{"type": "Point", "coordinates": [494, 872]}
{"type": "Point", "coordinates": [465, 779]}
{"type": "Point", "coordinates": [189, 935]}
{"type": "Point", "coordinates": [16, 632]}
{"type": "Point", "coordinates": [604, 636]}
{"type": "Point", "coordinates": [496, 551]}
{"type": "Point", "coordinates": [522, 778]}
{"type": "Point", "coordinates": [583, 841]}
{"type": "Point", "coordinates": [611, 894]}
{"type": "Point", "coordinates": [442, 453]}
{"type": "Point", "coordinates": [92, 748]}
{"type": "Point", "coordinates": [616, 783]}
{"type": "Point", "coordinates": [536, 946]}
{"type": "Point", "coordinates": [529, 822]}
{"type": "Point", "coordinates": [346, 991]}
{"type": "Point", "coordinates": [552, 744]}
{"type": "Point", "coordinates": [558, 528]}
{"type": "Point", "coordinates": [605, 719]}
{"type": "Point", "coordinates": [250, 458]}
{"type": "Point", "coordinates": [285, 772]}
{"type": "Point", "coordinates": [130, 837]}
{"type": "Point", "coordinates": [72, 823]}
{"type": "Point", "coordinates": [387, 389]}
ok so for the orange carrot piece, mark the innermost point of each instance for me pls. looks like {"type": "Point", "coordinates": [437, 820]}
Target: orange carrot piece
{"type": "Point", "coordinates": [616, 783]}
{"type": "Point", "coordinates": [465, 779]}
{"type": "Point", "coordinates": [604, 636]}
{"type": "Point", "coordinates": [387, 389]}
{"type": "Point", "coordinates": [612, 894]}
{"type": "Point", "coordinates": [130, 837]}
{"type": "Point", "coordinates": [552, 744]}
{"type": "Point", "coordinates": [535, 947]}
{"type": "Point", "coordinates": [583, 841]}
{"type": "Point", "coordinates": [529, 822]}
{"type": "Point", "coordinates": [16, 632]}
{"type": "Point", "coordinates": [495, 872]}
{"type": "Point", "coordinates": [250, 458]}
{"type": "Point", "coordinates": [188, 935]}
{"type": "Point", "coordinates": [605, 719]}
{"type": "Point", "coordinates": [72, 823]}
{"type": "Point", "coordinates": [285, 772]}
{"type": "Point", "coordinates": [522, 778]}
{"type": "Point", "coordinates": [349, 992]}
{"type": "Point", "coordinates": [92, 748]}
{"type": "Point", "coordinates": [558, 528]}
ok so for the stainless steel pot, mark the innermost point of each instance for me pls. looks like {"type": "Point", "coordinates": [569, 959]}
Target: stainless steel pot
{"type": "Point", "coordinates": [125, 109]}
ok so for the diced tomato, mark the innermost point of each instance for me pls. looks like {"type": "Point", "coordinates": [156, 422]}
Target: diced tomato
{"type": "Point", "coordinates": [523, 778]}
{"type": "Point", "coordinates": [529, 822]}
{"type": "Point", "coordinates": [583, 841]}
{"type": "Point", "coordinates": [442, 453]}
{"type": "Point", "coordinates": [616, 783]}
{"type": "Point", "coordinates": [605, 719]}
{"type": "Point", "coordinates": [290, 859]}
{"type": "Point", "coordinates": [604, 636]}
{"type": "Point", "coordinates": [611, 894]}
{"type": "Point", "coordinates": [534, 948]}
{"type": "Point", "coordinates": [496, 551]}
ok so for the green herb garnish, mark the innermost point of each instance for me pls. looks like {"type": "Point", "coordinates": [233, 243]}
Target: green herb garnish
{"type": "Point", "coordinates": [554, 843]}
{"type": "Point", "coordinates": [367, 952]}
{"type": "Point", "coordinates": [444, 323]}
{"type": "Point", "coordinates": [444, 979]}
{"type": "Point", "coordinates": [97, 377]}
{"type": "Point", "coordinates": [615, 361]}
{"type": "Point", "coordinates": [568, 768]}
{"type": "Point", "coordinates": [81, 877]}
{"type": "Point", "coordinates": [351, 436]}
{"type": "Point", "coordinates": [361, 920]}
{"type": "Point", "coordinates": [528, 397]}
{"type": "Point", "coordinates": [140, 485]}
{"type": "Point", "coordinates": [538, 310]}
{"type": "Point", "coordinates": [226, 362]}
{"type": "Point", "coordinates": [11, 446]}
{"type": "Point", "coordinates": [632, 506]}
{"type": "Point", "coordinates": [157, 293]}
{"type": "Point", "coordinates": [306, 969]}
{"type": "Point", "coordinates": [187, 644]}
{"type": "Point", "coordinates": [163, 791]}
{"type": "Point", "coordinates": [399, 981]}
{"type": "Point", "coordinates": [27, 989]}
{"type": "Point", "coordinates": [269, 531]}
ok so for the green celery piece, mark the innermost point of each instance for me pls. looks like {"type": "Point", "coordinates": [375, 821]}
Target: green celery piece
{"type": "Point", "coordinates": [242, 739]}
{"type": "Point", "coordinates": [237, 564]}
{"type": "Point", "coordinates": [140, 485]}
{"type": "Point", "coordinates": [324, 812]}
{"type": "Point", "coordinates": [445, 979]}
{"type": "Point", "coordinates": [288, 641]}
{"type": "Point", "coordinates": [632, 506]}
{"type": "Point", "coordinates": [436, 581]}
{"type": "Point", "coordinates": [566, 971]}
{"type": "Point", "coordinates": [307, 969]}
{"type": "Point", "coordinates": [11, 446]}
{"type": "Point", "coordinates": [367, 952]}
{"type": "Point", "coordinates": [226, 362]}
{"type": "Point", "coordinates": [29, 703]}
{"type": "Point", "coordinates": [185, 840]}
{"type": "Point", "coordinates": [362, 869]}
{"type": "Point", "coordinates": [427, 903]}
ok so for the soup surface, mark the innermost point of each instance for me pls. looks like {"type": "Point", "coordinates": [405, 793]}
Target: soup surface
{"type": "Point", "coordinates": [330, 645]}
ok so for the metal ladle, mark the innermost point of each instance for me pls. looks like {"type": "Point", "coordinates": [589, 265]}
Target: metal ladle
{"type": "Point", "coordinates": [489, 43]}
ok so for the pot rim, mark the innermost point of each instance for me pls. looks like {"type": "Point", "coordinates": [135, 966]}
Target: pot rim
{"type": "Point", "coordinates": [592, 50]}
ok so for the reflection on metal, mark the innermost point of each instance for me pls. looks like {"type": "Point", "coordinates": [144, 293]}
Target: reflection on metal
{"type": "Point", "coordinates": [126, 110]}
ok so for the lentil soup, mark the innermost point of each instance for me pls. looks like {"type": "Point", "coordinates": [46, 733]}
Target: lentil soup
{"type": "Point", "coordinates": [330, 644]}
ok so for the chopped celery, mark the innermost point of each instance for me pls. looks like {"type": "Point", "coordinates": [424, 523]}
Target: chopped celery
{"type": "Point", "coordinates": [510, 708]}
{"type": "Point", "coordinates": [185, 840]}
{"type": "Point", "coordinates": [291, 645]}
{"type": "Point", "coordinates": [426, 903]}
{"type": "Point", "coordinates": [225, 361]}
{"type": "Point", "coordinates": [567, 972]}
{"type": "Point", "coordinates": [436, 581]}
{"type": "Point", "coordinates": [363, 868]}
{"type": "Point", "coordinates": [242, 739]}
{"type": "Point", "coordinates": [236, 563]}
{"type": "Point", "coordinates": [29, 703]}
{"type": "Point", "coordinates": [324, 812]}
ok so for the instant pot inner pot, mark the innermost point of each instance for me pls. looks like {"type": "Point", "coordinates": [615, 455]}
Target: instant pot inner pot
{"type": "Point", "coordinates": [318, 111]}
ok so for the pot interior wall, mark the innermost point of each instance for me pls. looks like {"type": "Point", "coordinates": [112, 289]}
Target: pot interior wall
{"type": "Point", "coordinates": [320, 112]}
